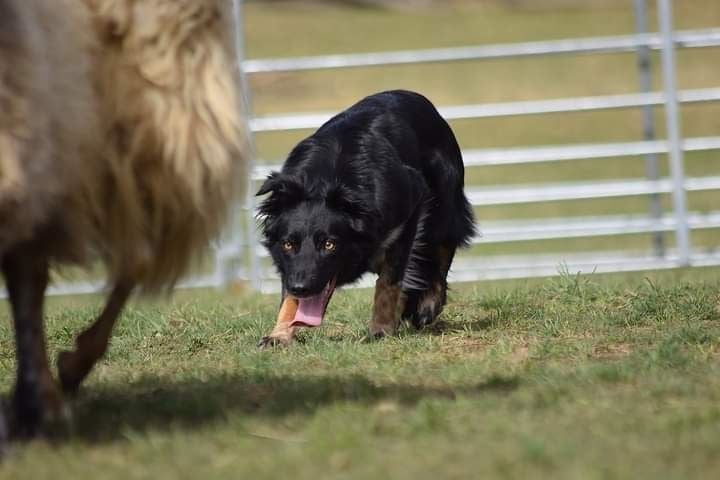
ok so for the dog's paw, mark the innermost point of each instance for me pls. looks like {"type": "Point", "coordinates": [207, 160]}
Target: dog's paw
{"type": "Point", "coordinates": [378, 332]}
{"type": "Point", "coordinates": [373, 337]}
{"type": "Point", "coordinates": [272, 342]}
{"type": "Point", "coordinates": [423, 318]}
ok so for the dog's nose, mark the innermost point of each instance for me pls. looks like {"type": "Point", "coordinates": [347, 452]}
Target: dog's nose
{"type": "Point", "coordinates": [299, 289]}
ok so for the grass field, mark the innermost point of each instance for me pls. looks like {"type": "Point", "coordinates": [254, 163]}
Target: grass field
{"type": "Point", "coordinates": [593, 377]}
{"type": "Point", "coordinates": [574, 377]}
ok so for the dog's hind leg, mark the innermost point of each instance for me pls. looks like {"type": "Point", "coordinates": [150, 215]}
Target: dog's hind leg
{"type": "Point", "coordinates": [92, 344]}
{"type": "Point", "coordinates": [37, 405]}
{"type": "Point", "coordinates": [391, 268]}
{"type": "Point", "coordinates": [423, 307]}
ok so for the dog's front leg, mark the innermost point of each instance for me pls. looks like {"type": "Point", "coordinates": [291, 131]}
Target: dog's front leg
{"type": "Point", "coordinates": [283, 334]}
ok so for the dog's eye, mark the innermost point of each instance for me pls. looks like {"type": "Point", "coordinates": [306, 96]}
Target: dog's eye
{"type": "Point", "coordinates": [287, 246]}
{"type": "Point", "coordinates": [330, 245]}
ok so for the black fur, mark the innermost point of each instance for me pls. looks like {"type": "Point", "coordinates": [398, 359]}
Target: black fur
{"type": "Point", "coordinates": [384, 181]}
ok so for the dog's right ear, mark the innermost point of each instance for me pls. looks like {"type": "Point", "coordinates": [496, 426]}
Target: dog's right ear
{"type": "Point", "coordinates": [281, 184]}
{"type": "Point", "coordinates": [285, 191]}
{"type": "Point", "coordinates": [272, 183]}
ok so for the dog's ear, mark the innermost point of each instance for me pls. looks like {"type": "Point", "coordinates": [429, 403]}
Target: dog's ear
{"type": "Point", "coordinates": [353, 204]}
{"type": "Point", "coordinates": [285, 191]}
{"type": "Point", "coordinates": [272, 183]}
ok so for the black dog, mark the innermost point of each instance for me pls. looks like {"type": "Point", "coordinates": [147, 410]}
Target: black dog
{"type": "Point", "coordinates": [379, 188]}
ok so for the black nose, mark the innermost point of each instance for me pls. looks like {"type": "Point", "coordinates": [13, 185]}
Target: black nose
{"type": "Point", "coordinates": [299, 289]}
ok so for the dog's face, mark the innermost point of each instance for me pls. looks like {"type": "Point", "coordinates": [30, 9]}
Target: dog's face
{"type": "Point", "coordinates": [316, 238]}
{"type": "Point", "coordinates": [308, 247]}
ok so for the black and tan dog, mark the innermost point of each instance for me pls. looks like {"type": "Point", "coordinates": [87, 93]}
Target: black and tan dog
{"type": "Point", "coordinates": [378, 188]}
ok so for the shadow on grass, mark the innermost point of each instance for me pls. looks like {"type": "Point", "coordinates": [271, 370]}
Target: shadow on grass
{"type": "Point", "coordinates": [441, 326]}
{"type": "Point", "coordinates": [105, 413]}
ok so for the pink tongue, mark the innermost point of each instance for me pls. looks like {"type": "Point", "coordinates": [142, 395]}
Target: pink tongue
{"type": "Point", "coordinates": [310, 312]}
{"type": "Point", "coordinates": [311, 309]}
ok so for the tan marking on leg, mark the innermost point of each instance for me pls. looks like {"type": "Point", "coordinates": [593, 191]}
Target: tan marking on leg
{"type": "Point", "coordinates": [283, 333]}
{"type": "Point", "coordinates": [385, 316]}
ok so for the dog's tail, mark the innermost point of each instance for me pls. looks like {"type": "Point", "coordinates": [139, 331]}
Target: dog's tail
{"type": "Point", "coordinates": [463, 224]}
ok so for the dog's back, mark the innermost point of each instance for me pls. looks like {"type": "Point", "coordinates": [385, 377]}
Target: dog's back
{"type": "Point", "coordinates": [405, 126]}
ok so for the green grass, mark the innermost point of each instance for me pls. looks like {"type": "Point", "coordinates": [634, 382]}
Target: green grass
{"type": "Point", "coordinates": [574, 377]}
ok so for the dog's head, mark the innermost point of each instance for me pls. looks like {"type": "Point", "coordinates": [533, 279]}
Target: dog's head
{"type": "Point", "coordinates": [318, 234]}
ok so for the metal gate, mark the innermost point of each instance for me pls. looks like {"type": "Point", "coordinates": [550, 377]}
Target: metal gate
{"type": "Point", "coordinates": [681, 221]}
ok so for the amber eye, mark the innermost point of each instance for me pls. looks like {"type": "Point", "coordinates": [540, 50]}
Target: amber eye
{"type": "Point", "coordinates": [330, 245]}
{"type": "Point", "coordinates": [287, 246]}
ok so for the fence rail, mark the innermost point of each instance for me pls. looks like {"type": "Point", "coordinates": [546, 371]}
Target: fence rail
{"type": "Point", "coordinates": [523, 266]}
{"type": "Point", "coordinates": [614, 44]}
{"type": "Point", "coordinates": [555, 153]}
{"type": "Point", "coordinates": [583, 227]}
{"type": "Point", "coordinates": [508, 195]}
{"type": "Point", "coordinates": [306, 121]}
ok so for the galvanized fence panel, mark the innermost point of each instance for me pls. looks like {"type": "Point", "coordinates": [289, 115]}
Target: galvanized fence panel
{"type": "Point", "coordinates": [515, 266]}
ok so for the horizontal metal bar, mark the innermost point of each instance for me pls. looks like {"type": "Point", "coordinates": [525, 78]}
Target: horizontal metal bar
{"type": "Point", "coordinates": [526, 266]}
{"type": "Point", "coordinates": [620, 43]}
{"type": "Point", "coordinates": [551, 153]}
{"type": "Point", "coordinates": [582, 227]}
{"type": "Point", "coordinates": [508, 195]}
{"type": "Point", "coordinates": [537, 193]}
{"type": "Point", "coordinates": [94, 287]}
{"type": "Point", "coordinates": [578, 227]}
{"type": "Point", "coordinates": [578, 104]}
{"type": "Point", "coordinates": [499, 267]}
{"type": "Point", "coordinates": [300, 121]}
{"type": "Point", "coordinates": [471, 269]}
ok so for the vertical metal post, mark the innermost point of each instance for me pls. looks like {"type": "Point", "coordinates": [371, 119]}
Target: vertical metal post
{"type": "Point", "coordinates": [651, 159]}
{"type": "Point", "coordinates": [228, 250]}
{"type": "Point", "coordinates": [249, 207]}
{"type": "Point", "coordinates": [672, 118]}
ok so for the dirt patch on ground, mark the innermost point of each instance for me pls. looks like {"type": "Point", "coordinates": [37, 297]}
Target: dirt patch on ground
{"type": "Point", "coordinates": [520, 354]}
{"type": "Point", "coordinates": [611, 351]}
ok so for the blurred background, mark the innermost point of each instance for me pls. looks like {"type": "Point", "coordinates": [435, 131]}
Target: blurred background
{"type": "Point", "coordinates": [282, 29]}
